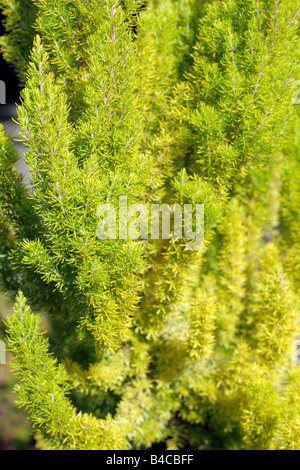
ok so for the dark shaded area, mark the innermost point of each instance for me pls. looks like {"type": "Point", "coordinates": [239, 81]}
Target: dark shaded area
{"type": "Point", "coordinates": [8, 75]}
{"type": "Point", "coordinates": [8, 112]}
